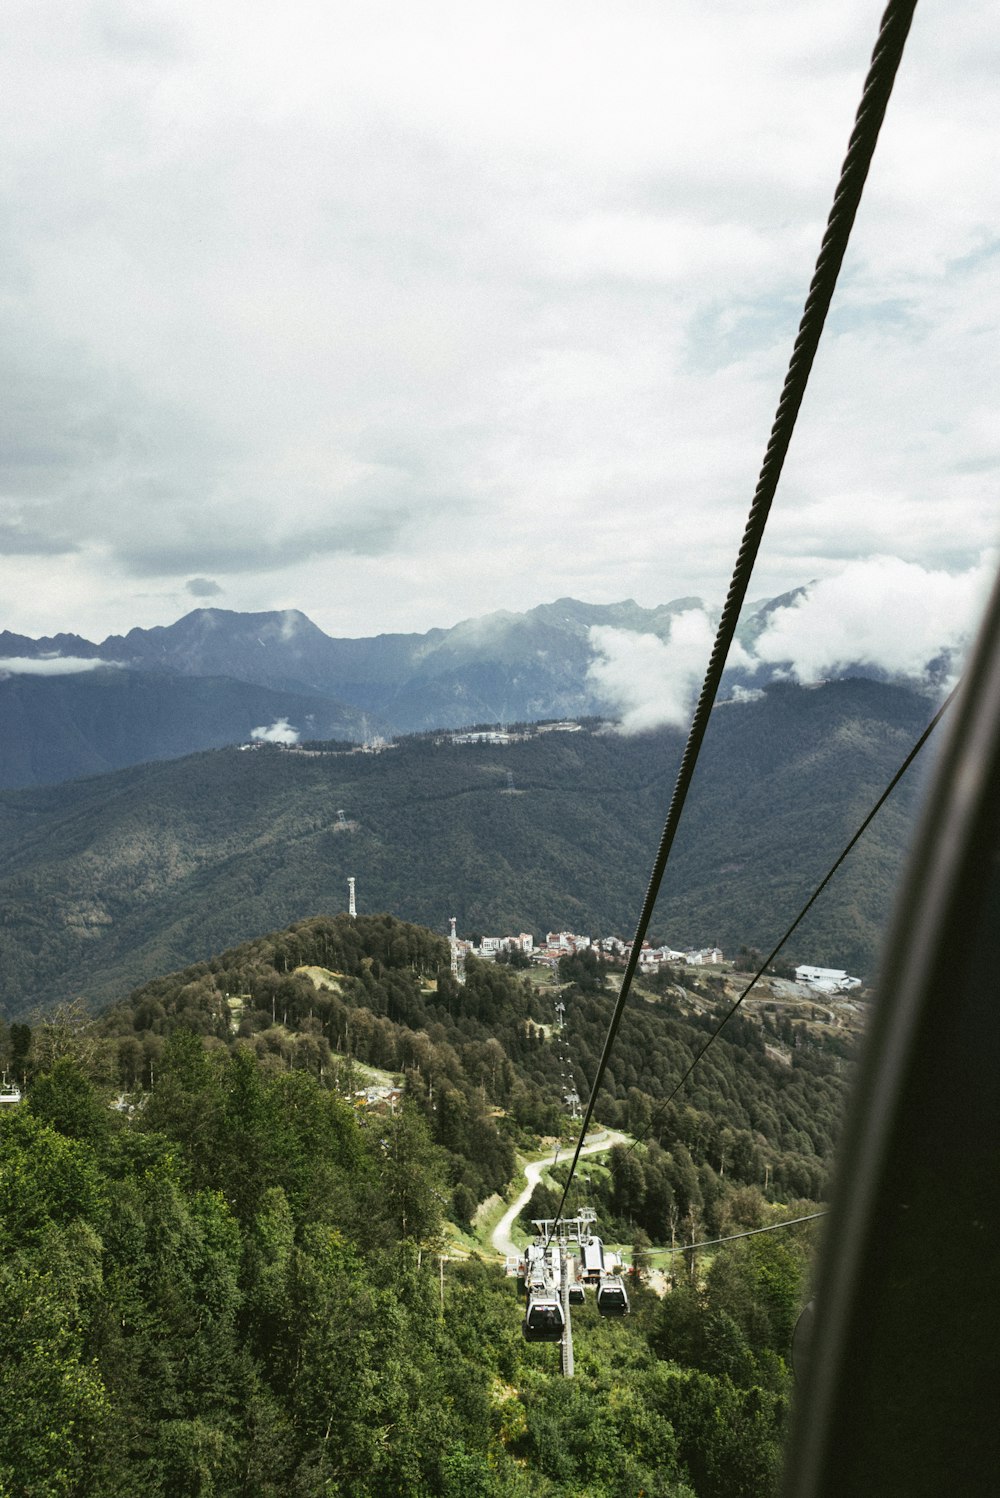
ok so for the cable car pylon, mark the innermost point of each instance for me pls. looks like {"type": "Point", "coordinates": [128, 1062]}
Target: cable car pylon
{"type": "Point", "coordinates": [566, 1345]}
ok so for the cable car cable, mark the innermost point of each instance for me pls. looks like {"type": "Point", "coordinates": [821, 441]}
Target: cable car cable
{"type": "Point", "coordinates": [749, 1233]}
{"type": "Point", "coordinates": [907, 762]}
{"type": "Point", "coordinates": [893, 31]}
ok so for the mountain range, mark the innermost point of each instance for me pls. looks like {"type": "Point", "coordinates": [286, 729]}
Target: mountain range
{"type": "Point", "coordinates": [71, 707]}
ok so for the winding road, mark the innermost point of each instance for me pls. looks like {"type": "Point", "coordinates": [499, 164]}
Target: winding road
{"type": "Point", "coordinates": [502, 1241]}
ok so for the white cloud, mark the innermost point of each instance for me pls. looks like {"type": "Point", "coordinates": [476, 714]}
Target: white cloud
{"type": "Point", "coordinates": [52, 665]}
{"type": "Point", "coordinates": [881, 612]}
{"type": "Point", "coordinates": [878, 613]}
{"type": "Point", "coordinates": [403, 314]}
{"type": "Point", "coordinates": [280, 732]}
{"type": "Point", "coordinates": [651, 683]}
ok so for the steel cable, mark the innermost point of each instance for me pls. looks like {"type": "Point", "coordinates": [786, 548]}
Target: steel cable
{"type": "Point", "coordinates": [888, 51]}
{"type": "Point", "coordinates": [821, 886]}
{"type": "Point", "coordinates": [772, 1227]}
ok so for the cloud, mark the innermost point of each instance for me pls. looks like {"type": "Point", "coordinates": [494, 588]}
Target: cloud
{"type": "Point", "coordinates": [369, 308]}
{"type": "Point", "coordinates": [649, 682]}
{"type": "Point", "coordinates": [18, 538]}
{"type": "Point", "coordinates": [882, 613]}
{"type": "Point", "coordinates": [203, 587]}
{"type": "Point", "coordinates": [52, 665]}
{"type": "Point", "coordinates": [169, 548]}
{"type": "Point", "coordinates": [280, 732]}
{"type": "Point", "coordinates": [878, 614]}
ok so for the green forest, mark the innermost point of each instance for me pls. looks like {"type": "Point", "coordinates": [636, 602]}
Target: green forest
{"type": "Point", "coordinates": [108, 881]}
{"type": "Point", "coordinates": [224, 1273]}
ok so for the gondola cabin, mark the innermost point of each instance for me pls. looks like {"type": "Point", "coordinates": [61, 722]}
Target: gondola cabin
{"type": "Point", "coordinates": [543, 1320]}
{"type": "Point", "coordinates": [575, 1288]}
{"type": "Point", "coordinates": [612, 1297]}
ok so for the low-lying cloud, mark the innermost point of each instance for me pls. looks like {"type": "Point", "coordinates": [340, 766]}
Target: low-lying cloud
{"type": "Point", "coordinates": [280, 732]}
{"type": "Point", "coordinates": [650, 682]}
{"type": "Point", "coordinates": [52, 665]}
{"type": "Point", "coordinates": [879, 615]}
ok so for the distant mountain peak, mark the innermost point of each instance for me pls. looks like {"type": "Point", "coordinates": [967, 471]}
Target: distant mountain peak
{"type": "Point", "coordinates": [503, 666]}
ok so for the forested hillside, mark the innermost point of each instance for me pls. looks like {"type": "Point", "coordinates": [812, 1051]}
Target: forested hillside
{"type": "Point", "coordinates": [111, 880]}
{"type": "Point", "coordinates": [55, 728]}
{"type": "Point", "coordinates": [242, 1283]}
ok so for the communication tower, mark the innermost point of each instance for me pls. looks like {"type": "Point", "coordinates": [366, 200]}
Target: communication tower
{"type": "Point", "coordinates": [458, 971]}
{"type": "Point", "coordinates": [352, 909]}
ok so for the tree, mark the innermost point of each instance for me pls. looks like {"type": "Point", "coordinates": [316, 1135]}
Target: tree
{"type": "Point", "coordinates": [542, 1203]}
{"type": "Point", "coordinates": [64, 1098]}
{"type": "Point", "coordinates": [69, 1031]}
{"type": "Point", "coordinates": [20, 1050]}
{"type": "Point", "coordinates": [628, 1191]}
{"type": "Point", "coordinates": [411, 1177]}
{"type": "Point", "coordinates": [585, 969]}
{"type": "Point", "coordinates": [515, 958]}
{"type": "Point", "coordinates": [53, 1404]}
{"type": "Point", "coordinates": [641, 1260]}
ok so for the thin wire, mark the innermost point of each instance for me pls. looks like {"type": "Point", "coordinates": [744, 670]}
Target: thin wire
{"type": "Point", "coordinates": [907, 762]}
{"type": "Point", "coordinates": [888, 51]}
{"type": "Point", "coordinates": [689, 1248]}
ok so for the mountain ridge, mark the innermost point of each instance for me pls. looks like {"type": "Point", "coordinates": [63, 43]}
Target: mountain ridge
{"type": "Point", "coordinates": [503, 667]}
{"type": "Point", "coordinates": [497, 667]}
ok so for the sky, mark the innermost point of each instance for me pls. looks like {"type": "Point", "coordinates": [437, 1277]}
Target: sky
{"type": "Point", "coordinates": [402, 314]}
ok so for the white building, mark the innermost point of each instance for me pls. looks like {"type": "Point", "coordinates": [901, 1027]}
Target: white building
{"type": "Point", "coordinates": [491, 945]}
{"type": "Point", "coordinates": [651, 959]}
{"type": "Point", "coordinates": [826, 979]}
{"type": "Point", "coordinates": [566, 941]}
{"type": "Point", "coordinates": [524, 942]}
{"type": "Point", "coordinates": [486, 736]}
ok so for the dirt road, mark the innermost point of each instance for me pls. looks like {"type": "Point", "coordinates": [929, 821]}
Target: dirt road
{"type": "Point", "coordinates": [502, 1241]}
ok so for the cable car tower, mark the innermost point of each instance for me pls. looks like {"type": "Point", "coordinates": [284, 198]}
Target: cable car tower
{"type": "Point", "coordinates": [457, 960]}
{"type": "Point", "coordinates": [567, 1086]}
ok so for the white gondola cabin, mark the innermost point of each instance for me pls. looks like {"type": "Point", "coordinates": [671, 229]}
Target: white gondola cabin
{"type": "Point", "coordinates": [544, 1320]}
{"type": "Point", "coordinates": [612, 1297]}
